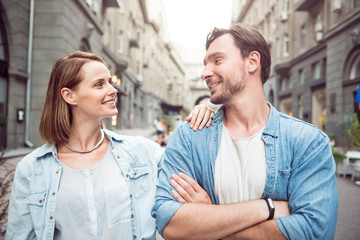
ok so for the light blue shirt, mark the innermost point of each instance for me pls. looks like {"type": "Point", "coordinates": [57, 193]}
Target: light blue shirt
{"type": "Point", "coordinates": [32, 207]}
{"type": "Point", "coordinates": [300, 170]}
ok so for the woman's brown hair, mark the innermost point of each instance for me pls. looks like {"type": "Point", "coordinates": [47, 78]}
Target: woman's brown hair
{"type": "Point", "coordinates": [55, 123]}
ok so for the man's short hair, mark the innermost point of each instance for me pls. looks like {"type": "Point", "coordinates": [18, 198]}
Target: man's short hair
{"type": "Point", "coordinates": [247, 39]}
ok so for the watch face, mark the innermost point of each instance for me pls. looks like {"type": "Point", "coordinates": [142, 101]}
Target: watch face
{"type": "Point", "coordinates": [271, 203]}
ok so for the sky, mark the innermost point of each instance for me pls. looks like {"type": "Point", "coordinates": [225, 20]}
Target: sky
{"type": "Point", "coordinates": [189, 22]}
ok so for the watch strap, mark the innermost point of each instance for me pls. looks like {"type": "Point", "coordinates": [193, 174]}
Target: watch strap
{"type": "Point", "coordinates": [271, 207]}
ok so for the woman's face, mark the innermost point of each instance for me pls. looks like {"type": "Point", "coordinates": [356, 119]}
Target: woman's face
{"type": "Point", "coordinates": [94, 95]}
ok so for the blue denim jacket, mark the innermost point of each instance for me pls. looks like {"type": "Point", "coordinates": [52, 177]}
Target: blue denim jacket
{"type": "Point", "coordinates": [32, 208]}
{"type": "Point", "coordinates": [300, 170]}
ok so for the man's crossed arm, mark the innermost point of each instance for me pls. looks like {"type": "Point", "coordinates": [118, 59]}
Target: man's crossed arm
{"type": "Point", "coordinates": [198, 218]}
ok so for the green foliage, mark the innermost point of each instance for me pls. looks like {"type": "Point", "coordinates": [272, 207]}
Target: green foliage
{"type": "Point", "coordinates": [331, 136]}
{"type": "Point", "coordinates": [338, 156]}
{"type": "Point", "coordinates": [354, 133]}
{"type": "Point", "coordinates": [3, 119]}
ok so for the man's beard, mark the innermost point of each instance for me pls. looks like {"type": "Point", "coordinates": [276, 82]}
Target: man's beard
{"type": "Point", "coordinates": [227, 91]}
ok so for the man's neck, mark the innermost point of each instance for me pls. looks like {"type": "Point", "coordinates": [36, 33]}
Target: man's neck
{"type": "Point", "coordinates": [245, 117]}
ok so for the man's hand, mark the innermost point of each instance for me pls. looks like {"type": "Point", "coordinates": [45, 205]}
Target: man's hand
{"type": "Point", "coordinates": [199, 117]}
{"type": "Point", "coordinates": [188, 190]}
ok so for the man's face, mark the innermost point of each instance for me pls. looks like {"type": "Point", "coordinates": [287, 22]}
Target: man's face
{"type": "Point", "coordinates": [224, 70]}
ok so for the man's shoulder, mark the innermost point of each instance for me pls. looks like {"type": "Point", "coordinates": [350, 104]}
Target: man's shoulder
{"type": "Point", "coordinates": [300, 130]}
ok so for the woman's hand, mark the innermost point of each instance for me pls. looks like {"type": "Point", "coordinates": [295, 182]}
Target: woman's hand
{"type": "Point", "coordinates": [188, 190]}
{"type": "Point", "coordinates": [199, 117]}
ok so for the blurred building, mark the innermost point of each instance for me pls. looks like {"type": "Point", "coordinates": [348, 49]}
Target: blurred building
{"type": "Point", "coordinates": [35, 33]}
{"type": "Point", "coordinates": [315, 49]}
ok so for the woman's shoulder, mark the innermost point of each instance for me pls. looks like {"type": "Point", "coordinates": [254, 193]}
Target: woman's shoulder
{"type": "Point", "coordinates": [28, 161]}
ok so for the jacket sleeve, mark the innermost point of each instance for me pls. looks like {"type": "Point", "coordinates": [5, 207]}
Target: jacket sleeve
{"type": "Point", "coordinates": [312, 192]}
{"type": "Point", "coordinates": [177, 158]}
{"type": "Point", "coordinates": [19, 225]}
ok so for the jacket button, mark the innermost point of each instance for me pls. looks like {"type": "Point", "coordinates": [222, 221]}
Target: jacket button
{"type": "Point", "coordinates": [51, 218]}
{"type": "Point", "coordinates": [40, 201]}
{"type": "Point", "coordinates": [117, 156]}
{"type": "Point", "coordinates": [134, 236]}
{"type": "Point", "coordinates": [132, 215]}
{"type": "Point", "coordinates": [135, 174]}
{"type": "Point", "coordinates": [130, 195]}
{"type": "Point", "coordinates": [127, 175]}
{"type": "Point", "coordinates": [57, 172]}
{"type": "Point", "coordinates": [53, 193]}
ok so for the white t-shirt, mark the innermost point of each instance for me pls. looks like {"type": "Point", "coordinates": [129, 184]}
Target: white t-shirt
{"type": "Point", "coordinates": [240, 168]}
{"type": "Point", "coordinates": [94, 203]}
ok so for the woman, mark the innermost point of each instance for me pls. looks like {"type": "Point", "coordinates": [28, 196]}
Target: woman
{"type": "Point", "coordinates": [86, 182]}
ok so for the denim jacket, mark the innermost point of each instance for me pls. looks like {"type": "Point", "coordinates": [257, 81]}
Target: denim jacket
{"type": "Point", "coordinates": [300, 170]}
{"type": "Point", "coordinates": [32, 208]}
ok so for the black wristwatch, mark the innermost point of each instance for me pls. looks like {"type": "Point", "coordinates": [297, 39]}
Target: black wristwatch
{"type": "Point", "coordinates": [271, 207]}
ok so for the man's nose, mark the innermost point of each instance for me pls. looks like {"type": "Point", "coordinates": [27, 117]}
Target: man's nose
{"type": "Point", "coordinates": [207, 73]}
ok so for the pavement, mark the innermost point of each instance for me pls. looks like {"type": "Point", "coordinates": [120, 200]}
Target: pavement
{"type": "Point", "coordinates": [349, 192]}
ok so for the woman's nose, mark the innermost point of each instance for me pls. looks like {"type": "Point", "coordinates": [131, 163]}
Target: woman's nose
{"type": "Point", "coordinates": [112, 90]}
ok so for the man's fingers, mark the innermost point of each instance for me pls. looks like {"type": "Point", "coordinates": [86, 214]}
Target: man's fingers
{"type": "Point", "coordinates": [183, 188]}
{"type": "Point", "coordinates": [177, 197]}
{"type": "Point", "coordinates": [194, 185]}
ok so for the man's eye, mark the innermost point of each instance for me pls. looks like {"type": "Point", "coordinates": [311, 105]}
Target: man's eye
{"type": "Point", "coordinates": [217, 61]}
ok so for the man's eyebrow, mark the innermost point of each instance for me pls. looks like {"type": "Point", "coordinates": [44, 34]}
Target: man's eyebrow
{"type": "Point", "coordinates": [212, 56]}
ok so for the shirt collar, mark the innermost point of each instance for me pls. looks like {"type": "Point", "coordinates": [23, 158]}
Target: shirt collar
{"type": "Point", "coordinates": [272, 126]}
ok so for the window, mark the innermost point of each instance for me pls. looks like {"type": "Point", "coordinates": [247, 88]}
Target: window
{"type": "Point", "coordinates": [316, 71]}
{"type": "Point", "coordinates": [120, 42]}
{"type": "Point", "coordinates": [355, 68]}
{"type": "Point", "coordinates": [107, 33]}
{"type": "Point", "coordinates": [89, 2]}
{"type": "Point", "coordinates": [286, 45]}
{"type": "Point", "coordinates": [356, 3]}
{"type": "Point", "coordinates": [301, 77]}
{"type": "Point", "coordinates": [286, 6]}
{"type": "Point", "coordinates": [121, 5]}
{"type": "Point", "coordinates": [285, 84]}
{"type": "Point", "coordinates": [300, 107]}
{"type": "Point", "coordinates": [302, 36]}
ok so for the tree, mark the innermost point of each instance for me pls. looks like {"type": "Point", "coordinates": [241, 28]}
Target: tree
{"type": "Point", "coordinates": [354, 133]}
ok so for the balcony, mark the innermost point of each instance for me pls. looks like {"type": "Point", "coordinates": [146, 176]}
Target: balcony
{"type": "Point", "coordinates": [304, 5]}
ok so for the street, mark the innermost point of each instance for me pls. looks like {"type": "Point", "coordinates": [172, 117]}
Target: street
{"type": "Point", "coordinates": [349, 212]}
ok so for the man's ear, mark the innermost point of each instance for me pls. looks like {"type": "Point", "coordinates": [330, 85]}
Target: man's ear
{"type": "Point", "coordinates": [253, 61]}
{"type": "Point", "coordinates": [68, 95]}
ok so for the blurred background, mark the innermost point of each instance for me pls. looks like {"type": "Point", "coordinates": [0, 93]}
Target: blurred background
{"type": "Point", "coordinates": [154, 50]}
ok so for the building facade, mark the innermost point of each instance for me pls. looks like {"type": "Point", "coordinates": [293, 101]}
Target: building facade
{"type": "Point", "coordinates": [315, 57]}
{"type": "Point", "coordinates": [35, 33]}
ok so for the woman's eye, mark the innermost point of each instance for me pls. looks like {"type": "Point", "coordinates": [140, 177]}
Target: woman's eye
{"type": "Point", "coordinates": [99, 84]}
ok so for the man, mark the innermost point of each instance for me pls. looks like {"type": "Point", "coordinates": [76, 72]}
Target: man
{"type": "Point", "coordinates": [251, 151]}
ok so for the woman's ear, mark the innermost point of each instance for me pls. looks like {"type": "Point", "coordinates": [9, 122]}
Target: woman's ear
{"type": "Point", "coordinates": [68, 95]}
{"type": "Point", "coordinates": [253, 61]}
